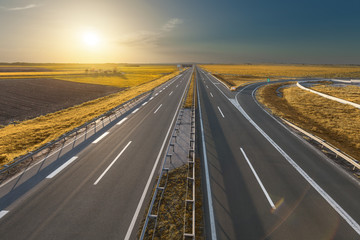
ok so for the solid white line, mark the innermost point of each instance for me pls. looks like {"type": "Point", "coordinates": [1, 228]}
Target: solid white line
{"type": "Point", "coordinates": [207, 175]}
{"type": "Point", "coordinates": [158, 108]}
{"type": "Point", "coordinates": [144, 103]}
{"type": "Point", "coordinates": [101, 137]}
{"type": "Point", "coordinates": [132, 224]}
{"type": "Point", "coordinates": [259, 181]}
{"type": "Point", "coordinates": [171, 93]}
{"type": "Point", "coordinates": [3, 213]}
{"type": "Point", "coordinates": [112, 163]}
{"type": "Point", "coordinates": [121, 121]}
{"type": "Point", "coordinates": [211, 95]}
{"type": "Point", "coordinates": [321, 191]}
{"type": "Point", "coordinates": [135, 110]}
{"type": "Point", "coordinates": [53, 174]}
{"type": "Point", "coordinates": [221, 112]}
{"type": "Point", "coordinates": [151, 98]}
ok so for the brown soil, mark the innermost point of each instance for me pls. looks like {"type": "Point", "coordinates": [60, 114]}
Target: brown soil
{"type": "Point", "coordinates": [28, 98]}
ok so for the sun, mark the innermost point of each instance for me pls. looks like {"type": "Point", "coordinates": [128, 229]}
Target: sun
{"type": "Point", "coordinates": [91, 39]}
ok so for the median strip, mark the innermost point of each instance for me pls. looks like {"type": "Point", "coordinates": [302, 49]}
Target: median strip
{"type": "Point", "coordinates": [53, 174]}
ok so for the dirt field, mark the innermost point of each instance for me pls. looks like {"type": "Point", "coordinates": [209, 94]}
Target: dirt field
{"type": "Point", "coordinates": [28, 98]}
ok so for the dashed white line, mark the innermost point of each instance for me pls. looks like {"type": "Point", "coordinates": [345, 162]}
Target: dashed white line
{"type": "Point", "coordinates": [221, 112]}
{"type": "Point", "coordinates": [144, 103]}
{"type": "Point", "coordinates": [258, 179]}
{"type": "Point", "coordinates": [158, 108]}
{"type": "Point", "coordinates": [112, 163]}
{"type": "Point", "coordinates": [211, 95]}
{"type": "Point", "coordinates": [101, 137]}
{"type": "Point", "coordinates": [151, 98]}
{"type": "Point", "coordinates": [122, 120]}
{"type": "Point", "coordinates": [135, 110]}
{"type": "Point", "coordinates": [177, 85]}
{"type": "Point", "coordinates": [3, 213]}
{"type": "Point", "coordinates": [171, 93]}
{"type": "Point", "coordinates": [53, 174]}
{"type": "Point", "coordinates": [207, 86]}
{"type": "Point", "coordinates": [156, 94]}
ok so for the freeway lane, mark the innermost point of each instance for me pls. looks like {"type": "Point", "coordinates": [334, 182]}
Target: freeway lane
{"type": "Point", "coordinates": [256, 192]}
{"type": "Point", "coordinates": [99, 194]}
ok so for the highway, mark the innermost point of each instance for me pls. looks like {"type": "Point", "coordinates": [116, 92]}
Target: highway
{"type": "Point", "coordinates": [261, 181]}
{"type": "Point", "coordinates": [100, 192]}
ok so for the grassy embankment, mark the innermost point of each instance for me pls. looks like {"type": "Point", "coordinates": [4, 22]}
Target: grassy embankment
{"type": "Point", "coordinates": [349, 93]}
{"type": "Point", "coordinates": [238, 75]}
{"type": "Point", "coordinates": [336, 123]}
{"type": "Point", "coordinates": [16, 140]}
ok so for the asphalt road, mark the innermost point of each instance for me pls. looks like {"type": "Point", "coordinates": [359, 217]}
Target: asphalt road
{"type": "Point", "coordinates": [101, 191]}
{"type": "Point", "coordinates": [264, 181]}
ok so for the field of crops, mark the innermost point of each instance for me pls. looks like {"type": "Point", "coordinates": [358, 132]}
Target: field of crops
{"type": "Point", "coordinates": [337, 123]}
{"type": "Point", "coordinates": [236, 75]}
{"type": "Point", "coordinates": [16, 140]}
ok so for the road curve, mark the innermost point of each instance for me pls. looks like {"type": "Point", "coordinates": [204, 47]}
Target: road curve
{"type": "Point", "coordinates": [266, 182]}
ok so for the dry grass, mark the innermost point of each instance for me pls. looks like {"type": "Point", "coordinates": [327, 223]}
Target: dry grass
{"type": "Point", "coordinates": [349, 93]}
{"type": "Point", "coordinates": [237, 75]}
{"type": "Point", "coordinates": [190, 96]}
{"type": "Point", "coordinates": [16, 140]}
{"type": "Point", "coordinates": [337, 123]}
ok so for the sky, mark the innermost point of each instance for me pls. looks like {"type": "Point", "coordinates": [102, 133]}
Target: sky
{"type": "Point", "coordinates": [172, 31]}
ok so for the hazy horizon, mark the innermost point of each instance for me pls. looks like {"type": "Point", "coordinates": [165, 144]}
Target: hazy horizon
{"type": "Point", "coordinates": [159, 31]}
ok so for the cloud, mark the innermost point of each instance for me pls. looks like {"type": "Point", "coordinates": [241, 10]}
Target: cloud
{"type": "Point", "coordinates": [171, 24]}
{"type": "Point", "coordinates": [150, 38]}
{"type": "Point", "coordinates": [19, 8]}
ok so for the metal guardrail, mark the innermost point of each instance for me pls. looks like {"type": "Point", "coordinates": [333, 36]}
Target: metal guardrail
{"type": "Point", "coordinates": [94, 125]}
{"type": "Point", "coordinates": [190, 199]}
{"type": "Point", "coordinates": [334, 149]}
{"type": "Point", "coordinates": [153, 211]}
{"type": "Point", "coordinates": [328, 96]}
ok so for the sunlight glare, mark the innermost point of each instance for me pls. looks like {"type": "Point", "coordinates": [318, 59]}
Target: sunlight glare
{"type": "Point", "coordinates": [91, 39]}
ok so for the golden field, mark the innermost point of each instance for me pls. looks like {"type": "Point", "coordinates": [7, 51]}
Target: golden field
{"type": "Point", "coordinates": [349, 93]}
{"type": "Point", "coordinates": [336, 123]}
{"type": "Point", "coordinates": [16, 140]}
{"type": "Point", "coordinates": [116, 75]}
{"type": "Point", "coordinates": [236, 75]}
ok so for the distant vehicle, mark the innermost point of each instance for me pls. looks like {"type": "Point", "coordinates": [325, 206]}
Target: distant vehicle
{"type": "Point", "coordinates": [233, 89]}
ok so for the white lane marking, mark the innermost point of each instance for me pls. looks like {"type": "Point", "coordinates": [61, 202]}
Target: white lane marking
{"type": "Point", "coordinates": [156, 94]}
{"type": "Point", "coordinates": [207, 86]}
{"type": "Point", "coordinates": [122, 120]}
{"type": "Point", "coordinates": [160, 91]}
{"type": "Point", "coordinates": [144, 103]}
{"type": "Point", "coordinates": [101, 137]}
{"type": "Point", "coordinates": [171, 93]}
{"type": "Point", "coordinates": [158, 108]}
{"type": "Point", "coordinates": [135, 110]}
{"type": "Point", "coordinates": [3, 213]}
{"type": "Point", "coordinates": [211, 95]}
{"type": "Point", "coordinates": [207, 175]}
{"type": "Point", "coordinates": [53, 174]}
{"type": "Point", "coordinates": [177, 85]}
{"type": "Point", "coordinates": [258, 179]}
{"type": "Point", "coordinates": [221, 112]}
{"type": "Point", "coordinates": [151, 98]}
{"type": "Point", "coordinates": [136, 214]}
{"type": "Point", "coordinates": [112, 163]}
{"type": "Point", "coordinates": [321, 191]}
